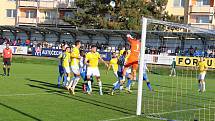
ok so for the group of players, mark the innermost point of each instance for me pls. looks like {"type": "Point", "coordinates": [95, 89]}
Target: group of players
{"type": "Point", "coordinates": [85, 65]}
{"type": "Point", "coordinates": [80, 65]}
{"type": "Point", "coordinates": [75, 64]}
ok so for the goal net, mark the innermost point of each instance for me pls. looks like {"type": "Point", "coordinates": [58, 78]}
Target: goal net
{"type": "Point", "coordinates": [176, 94]}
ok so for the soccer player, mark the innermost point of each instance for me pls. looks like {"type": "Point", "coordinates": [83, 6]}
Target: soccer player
{"type": "Point", "coordinates": [75, 58]}
{"type": "Point", "coordinates": [113, 64]}
{"type": "Point", "coordinates": [129, 81]}
{"type": "Point", "coordinates": [122, 51]}
{"type": "Point", "coordinates": [83, 72]}
{"type": "Point", "coordinates": [60, 67]}
{"type": "Point", "coordinates": [145, 77]}
{"type": "Point", "coordinates": [92, 59]}
{"type": "Point", "coordinates": [133, 56]}
{"type": "Point", "coordinates": [173, 66]}
{"type": "Point", "coordinates": [65, 64]}
{"type": "Point", "coordinates": [120, 81]}
{"type": "Point", "coordinates": [7, 59]}
{"type": "Point", "coordinates": [202, 67]}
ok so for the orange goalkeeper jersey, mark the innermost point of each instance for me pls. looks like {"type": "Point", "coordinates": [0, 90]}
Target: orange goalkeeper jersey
{"type": "Point", "coordinates": [135, 47]}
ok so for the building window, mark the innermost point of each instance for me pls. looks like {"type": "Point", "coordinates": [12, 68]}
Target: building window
{"type": "Point", "coordinates": [30, 14]}
{"type": "Point", "coordinates": [203, 19]}
{"type": "Point", "coordinates": [178, 3]}
{"type": "Point", "coordinates": [71, 2]}
{"type": "Point", "coordinates": [49, 14]}
{"type": "Point", "coordinates": [11, 13]}
{"type": "Point", "coordinates": [69, 14]}
{"type": "Point", "coordinates": [202, 2]}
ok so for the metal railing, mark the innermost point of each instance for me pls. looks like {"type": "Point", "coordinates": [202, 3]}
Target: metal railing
{"type": "Point", "coordinates": [46, 4]}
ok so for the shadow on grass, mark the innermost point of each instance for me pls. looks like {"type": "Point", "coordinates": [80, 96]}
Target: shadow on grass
{"type": "Point", "coordinates": [18, 111]}
{"type": "Point", "coordinates": [79, 98]}
{"type": "Point", "coordinates": [106, 87]}
{"type": "Point", "coordinates": [156, 73]}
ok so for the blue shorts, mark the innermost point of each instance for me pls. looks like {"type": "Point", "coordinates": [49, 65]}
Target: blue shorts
{"type": "Point", "coordinates": [127, 75]}
{"type": "Point", "coordinates": [61, 70]}
{"type": "Point", "coordinates": [120, 74]}
{"type": "Point", "coordinates": [84, 76]}
{"type": "Point", "coordinates": [145, 77]}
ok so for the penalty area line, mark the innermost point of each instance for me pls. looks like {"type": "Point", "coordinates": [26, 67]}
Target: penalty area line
{"type": "Point", "coordinates": [121, 118]}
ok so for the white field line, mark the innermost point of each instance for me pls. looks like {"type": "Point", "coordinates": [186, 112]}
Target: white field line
{"type": "Point", "coordinates": [121, 118]}
{"type": "Point", "coordinates": [24, 94]}
{"type": "Point", "coordinates": [164, 119]}
{"type": "Point", "coordinates": [181, 111]}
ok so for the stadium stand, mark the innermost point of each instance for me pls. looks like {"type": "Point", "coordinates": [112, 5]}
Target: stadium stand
{"type": "Point", "coordinates": [169, 43]}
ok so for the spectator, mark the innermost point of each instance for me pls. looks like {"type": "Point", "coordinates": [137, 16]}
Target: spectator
{"type": "Point", "coordinates": [19, 42]}
{"type": "Point", "coordinates": [27, 42]}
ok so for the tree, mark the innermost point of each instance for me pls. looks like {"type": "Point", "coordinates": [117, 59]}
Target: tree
{"type": "Point", "coordinates": [98, 14]}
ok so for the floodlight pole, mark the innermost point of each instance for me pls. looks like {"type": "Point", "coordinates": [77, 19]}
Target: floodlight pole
{"type": "Point", "coordinates": [140, 78]}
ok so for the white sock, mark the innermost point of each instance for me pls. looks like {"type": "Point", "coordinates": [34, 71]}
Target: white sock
{"type": "Point", "coordinates": [123, 78]}
{"type": "Point", "coordinates": [68, 80]}
{"type": "Point", "coordinates": [89, 84]}
{"type": "Point", "coordinates": [203, 85]}
{"type": "Point", "coordinates": [129, 87]}
{"type": "Point", "coordinates": [75, 82]}
{"type": "Point", "coordinates": [121, 87]}
{"type": "Point", "coordinates": [71, 82]}
{"type": "Point", "coordinates": [100, 86]}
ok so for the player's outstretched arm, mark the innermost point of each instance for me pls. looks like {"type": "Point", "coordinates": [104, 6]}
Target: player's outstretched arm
{"type": "Point", "coordinates": [108, 67]}
{"type": "Point", "coordinates": [60, 56]}
{"type": "Point", "coordinates": [103, 61]}
{"type": "Point", "coordinates": [196, 67]}
{"type": "Point", "coordinates": [206, 67]}
{"type": "Point", "coordinates": [129, 38]}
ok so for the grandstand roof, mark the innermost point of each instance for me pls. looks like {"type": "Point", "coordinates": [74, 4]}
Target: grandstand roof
{"type": "Point", "coordinates": [93, 32]}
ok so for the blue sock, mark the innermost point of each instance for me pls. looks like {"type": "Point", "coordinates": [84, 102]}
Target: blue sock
{"type": "Point", "coordinates": [88, 88]}
{"type": "Point", "coordinates": [117, 86]}
{"type": "Point", "coordinates": [149, 86]}
{"type": "Point", "coordinates": [59, 79]}
{"type": "Point", "coordinates": [128, 83]}
{"type": "Point", "coordinates": [64, 80]}
{"type": "Point", "coordinates": [83, 76]}
{"type": "Point", "coordinates": [114, 84]}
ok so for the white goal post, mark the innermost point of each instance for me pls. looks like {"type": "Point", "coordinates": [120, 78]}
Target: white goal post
{"type": "Point", "coordinates": [140, 78]}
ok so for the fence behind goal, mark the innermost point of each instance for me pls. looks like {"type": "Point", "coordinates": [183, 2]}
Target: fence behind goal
{"type": "Point", "coordinates": [176, 97]}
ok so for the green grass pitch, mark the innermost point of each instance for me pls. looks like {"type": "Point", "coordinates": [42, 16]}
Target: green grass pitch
{"type": "Point", "coordinates": [30, 94]}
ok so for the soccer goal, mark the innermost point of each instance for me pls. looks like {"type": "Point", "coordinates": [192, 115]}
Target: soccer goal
{"type": "Point", "coordinates": [172, 52]}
